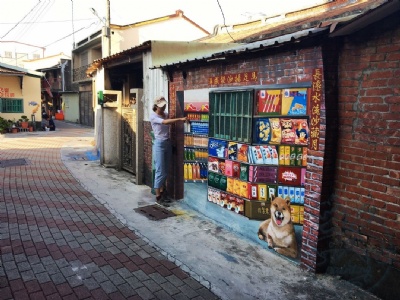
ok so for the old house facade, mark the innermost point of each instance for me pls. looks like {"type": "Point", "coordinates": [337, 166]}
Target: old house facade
{"type": "Point", "coordinates": [19, 94]}
{"type": "Point", "coordinates": [121, 38]}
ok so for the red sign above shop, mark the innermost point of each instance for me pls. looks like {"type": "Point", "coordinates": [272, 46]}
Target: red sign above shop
{"type": "Point", "coordinates": [233, 78]}
{"type": "Point", "coordinates": [315, 108]}
{"type": "Point", "coordinates": [5, 92]}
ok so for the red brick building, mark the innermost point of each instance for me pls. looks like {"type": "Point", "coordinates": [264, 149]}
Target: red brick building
{"type": "Point", "coordinates": [352, 206]}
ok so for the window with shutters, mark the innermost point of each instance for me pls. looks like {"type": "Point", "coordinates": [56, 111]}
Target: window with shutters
{"type": "Point", "coordinates": [8, 105]}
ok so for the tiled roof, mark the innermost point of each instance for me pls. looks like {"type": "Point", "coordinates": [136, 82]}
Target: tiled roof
{"type": "Point", "coordinates": [178, 14]}
{"type": "Point", "coordinates": [300, 20]}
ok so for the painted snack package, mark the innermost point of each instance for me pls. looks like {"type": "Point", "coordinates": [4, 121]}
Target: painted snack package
{"type": "Point", "coordinates": [302, 131]}
{"type": "Point", "coordinates": [294, 101]}
{"type": "Point", "coordinates": [262, 131]}
{"type": "Point", "coordinates": [269, 102]}
{"type": "Point", "coordinates": [242, 154]}
{"type": "Point", "coordinates": [288, 131]}
{"type": "Point", "coordinates": [276, 131]}
{"type": "Point", "coordinates": [232, 150]}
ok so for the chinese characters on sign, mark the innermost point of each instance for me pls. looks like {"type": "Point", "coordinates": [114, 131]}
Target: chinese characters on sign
{"type": "Point", "coordinates": [315, 108]}
{"type": "Point", "coordinates": [5, 92]}
{"type": "Point", "coordinates": [233, 78]}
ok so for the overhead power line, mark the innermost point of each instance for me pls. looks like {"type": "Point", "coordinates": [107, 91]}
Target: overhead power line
{"type": "Point", "coordinates": [21, 20]}
{"type": "Point", "coordinates": [223, 16]}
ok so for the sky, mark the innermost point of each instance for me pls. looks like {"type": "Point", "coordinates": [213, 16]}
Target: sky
{"type": "Point", "coordinates": [57, 24]}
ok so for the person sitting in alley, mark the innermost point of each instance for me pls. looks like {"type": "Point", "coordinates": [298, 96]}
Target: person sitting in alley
{"type": "Point", "coordinates": [51, 123]}
{"type": "Point", "coordinates": [44, 122]}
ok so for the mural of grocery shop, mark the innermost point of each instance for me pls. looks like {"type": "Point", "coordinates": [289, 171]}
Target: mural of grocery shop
{"type": "Point", "coordinates": [250, 147]}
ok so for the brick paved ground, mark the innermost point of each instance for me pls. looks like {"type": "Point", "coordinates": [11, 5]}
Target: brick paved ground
{"type": "Point", "coordinates": [58, 242]}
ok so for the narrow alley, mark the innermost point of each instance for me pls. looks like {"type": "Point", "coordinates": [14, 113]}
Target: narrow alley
{"type": "Point", "coordinates": [69, 230]}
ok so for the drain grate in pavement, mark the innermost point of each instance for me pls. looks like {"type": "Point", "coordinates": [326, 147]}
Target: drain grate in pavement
{"type": "Point", "coordinates": [155, 212]}
{"type": "Point", "coordinates": [12, 162]}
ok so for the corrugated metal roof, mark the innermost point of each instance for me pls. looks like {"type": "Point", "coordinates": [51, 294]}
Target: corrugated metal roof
{"type": "Point", "coordinates": [6, 69]}
{"type": "Point", "coordinates": [252, 47]}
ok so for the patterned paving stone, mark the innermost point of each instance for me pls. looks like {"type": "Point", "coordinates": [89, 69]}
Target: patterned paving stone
{"type": "Point", "coordinates": [58, 242]}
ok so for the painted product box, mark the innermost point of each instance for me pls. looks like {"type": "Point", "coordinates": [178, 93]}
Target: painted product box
{"type": "Point", "coordinates": [257, 210]}
{"type": "Point", "coordinates": [244, 172]}
{"type": "Point", "coordinates": [239, 206]}
{"type": "Point", "coordinates": [236, 169]}
{"type": "Point", "coordinates": [253, 191]}
{"type": "Point", "coordinates": [230, 184]}
{"type": "Point", "coordinates": [262, 192]}
{"type": "Point", "coordinates": [228, 167]}
{"type": "Point", "coordinates": [213, 164]}
{"type": "Point", "coordinates": [295, 213]}
{"type": "Point", "coordinates": [291, 176]}
{"type": "Point", "coordinates": [224, 200]}
{"type": "Point", "coordinates": [218, 148]}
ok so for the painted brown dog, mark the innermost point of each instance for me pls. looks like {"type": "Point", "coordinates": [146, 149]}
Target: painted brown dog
{"type": "Point", "coordinates": [278, 231]}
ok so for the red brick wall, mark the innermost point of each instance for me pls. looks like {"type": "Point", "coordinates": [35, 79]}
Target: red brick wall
{"type": "Point", "coordinates": [366, 216]}
{"type": "Point", "coordinates": [286, 67]}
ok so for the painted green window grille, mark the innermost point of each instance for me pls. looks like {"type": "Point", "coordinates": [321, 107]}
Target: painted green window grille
{"type": "Point", "coordinates": [231, 115]}
{"type": "Point", "coordinates": [11, 105]}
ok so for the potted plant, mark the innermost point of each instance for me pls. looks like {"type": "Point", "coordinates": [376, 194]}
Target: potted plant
{"type": "Point", "coordinates": [24, 122]}
{"type": "Point", "coordinates": [3, 125]}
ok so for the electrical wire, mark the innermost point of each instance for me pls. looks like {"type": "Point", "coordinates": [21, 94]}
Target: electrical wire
{"type": "Point", "coordinates": [72, 21]}
{"type": "Point", "coordinates": [21, 20]}
{"type": "Point", "coordinates": [33, 19]}
{"type": "Point", "coordinates": [223, 16]}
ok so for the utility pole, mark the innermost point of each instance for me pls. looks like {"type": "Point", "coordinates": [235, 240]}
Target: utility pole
{"type": "Point", "coordinates": [107, 30]}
